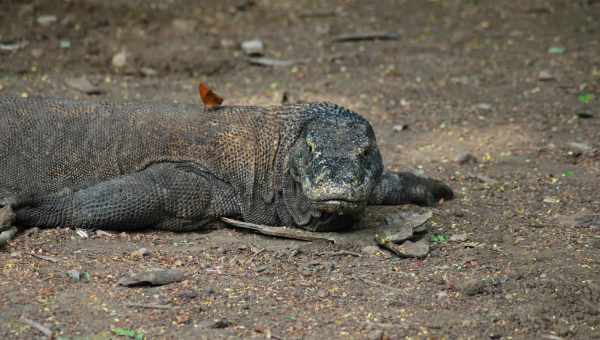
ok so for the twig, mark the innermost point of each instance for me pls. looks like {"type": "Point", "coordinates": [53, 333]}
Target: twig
{"type": "Point", "coordinates": [47, 332]}
{"type": "Point", "coordinates": [46, 258]}
{"type": "Point", "coordinates": [284, 232]}
{"type": "Point", "coordinates": [375, 283]}
{"type": "Point", "coordinates": [148, 306]}
{"type": "Point", "coordinates": [366, 37]}
{"type": "Point", "coordinates": [343, 253]}
{"type": "Point", "coordinates": [318, 14]}
{"type": "Point", "coordinates": [265, 61]}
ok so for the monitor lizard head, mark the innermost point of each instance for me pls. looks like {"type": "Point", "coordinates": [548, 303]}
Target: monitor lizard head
{"type": "Point", "coordinates": [334, 165]}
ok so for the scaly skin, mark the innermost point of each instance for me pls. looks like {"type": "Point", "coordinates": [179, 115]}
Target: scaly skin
{"type": "Point", "coordinates": [174, 167]}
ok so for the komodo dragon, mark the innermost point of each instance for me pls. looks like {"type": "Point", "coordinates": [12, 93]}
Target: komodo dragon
{"type": "Point", "coordinates": [124, 166]}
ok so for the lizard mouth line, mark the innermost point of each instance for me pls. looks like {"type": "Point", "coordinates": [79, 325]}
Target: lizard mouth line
{"type": "Point", "coordinates": [338, 206]}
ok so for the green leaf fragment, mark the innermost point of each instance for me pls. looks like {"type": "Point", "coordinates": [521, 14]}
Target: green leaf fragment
{"type": "Point", "coordinates": [585, 98]}
{"type": "Point", "coordinates": [567, 173]}
{"type": "Point", "coordinates": [86, 276]}
{"type": "Point", "coordinates": [65, 44]}
{"type": "Point", "coordinates": [439, 238]}
{"type": "Point", "coordinates": [130, 333]}
{"type": "Point", "coordinates": [556, 50]}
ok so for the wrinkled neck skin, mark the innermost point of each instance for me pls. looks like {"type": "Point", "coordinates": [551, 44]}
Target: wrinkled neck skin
{"type": "Point", "coordinates": [330, 170]}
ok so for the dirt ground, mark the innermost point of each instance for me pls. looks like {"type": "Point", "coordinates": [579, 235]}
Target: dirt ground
{"type": "Point", "coordinates": [513, 83]}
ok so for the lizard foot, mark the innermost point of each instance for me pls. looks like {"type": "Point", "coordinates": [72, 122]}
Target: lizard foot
{"type": "Point", "coordinates": [7, 229]}
{"type": "Point", "coordinates": [424, 191]}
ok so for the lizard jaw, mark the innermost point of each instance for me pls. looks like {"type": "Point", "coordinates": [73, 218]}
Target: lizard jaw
{"type": "Point", "coordinates": [339, 207]}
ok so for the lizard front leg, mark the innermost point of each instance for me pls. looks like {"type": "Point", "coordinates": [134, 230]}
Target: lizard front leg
{"type": "Point", "coordinates": [163, 196]}
{"type": "Point", "coordinates": [407, 188]}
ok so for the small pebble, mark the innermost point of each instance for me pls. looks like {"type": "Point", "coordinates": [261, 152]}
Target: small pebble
{"type": "Point", "coordinates": [188, 294]}
{"type": "Point", "coordinates": [140, 253]}
{"type": "Point", "coordinates": [74, 275]}
{"type": "Point", "coordinates": [441, 295]}
{"type": "Point", "coordinates": [253, 47]}
{"type": "Point", "coordinates": [227, 43]}
{"type": "Point", "coordinates": [119, 60]}
{"type": "Point", "coordinates": [37, 52]}
{"type": "Point", "coordinates": [458, 237]}
{"type": "Point", "coordinates": [484, 106]}
{"type": "Point", "coordinates": [262, 268]}
{"type": "Point", "coordinates": [46, 20]}
{"type": "Point", "coordinates": [400, 127]}
{"type": "Point", "coordinates": [545, 76]}
{"type": "Point", "coordinates": [466, 157]}
{"type": "Point", "coordinates": [148, 72]}
{"type": "Point", "coordinates": [371, 250]}
{"type": "Point", "coordinates": [577, 149]}
{"type": "Point", "coordinates": [375, 335]}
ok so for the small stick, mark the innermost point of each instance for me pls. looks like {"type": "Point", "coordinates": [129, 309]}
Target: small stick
{"type": "Point", "coordinates": [375, 283]}
{"type": "Point", "coordinates": [366, 37]}
{"type": "Point", "coordinates": [47, 258]}
{"type": "Point", "coordinates": [47, 332]}
{"type": "Point", "coordinates": [283, 232]}
{"type": "Point", "coordinates": [343, 253]}
{"type": "Point", "coordinates": [148, 306]}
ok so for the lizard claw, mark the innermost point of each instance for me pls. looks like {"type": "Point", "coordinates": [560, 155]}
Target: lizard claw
{"type": "Point", "coordinates": [7, 229]}
{"type": "Point", "coordinates": [7, 235]}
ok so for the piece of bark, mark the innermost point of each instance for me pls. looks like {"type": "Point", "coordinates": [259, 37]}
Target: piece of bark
{"type": "Point", "coordinates": [152, 278]}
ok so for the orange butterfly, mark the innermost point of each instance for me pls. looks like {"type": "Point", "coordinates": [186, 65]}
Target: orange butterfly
{"type": "Point", "coordinates": [210, 99]}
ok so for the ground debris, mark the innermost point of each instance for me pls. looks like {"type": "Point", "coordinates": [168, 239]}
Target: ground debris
{"type": "Point", "coordinates": [366, 36]}
{"type": "Point", "coordinates": [140, 253]}
{"type": "Point", "coordinates": [45, 330]}
{"type": "Point", "coordinates": [266, 61]}
{"type": "Point", "coordinates": [284, 232]}
{"type": "Point", "coordinates": [84, 85]}
{"type": "Point", "coordinates": [545, 76]}
{"type": "Point", "coordinates": [13, 45]}
{"type": "Point", "coordinates": [403, 226]}
{"type": "Point", "coordinates": [148, 306]}
{"type": "Point", "coordinates": [458, 237]}
{"type": "Point", "coordinates": [580, 220]}
{"type": "Point", "coordinates": [45, 258]}
{"type": "Point", "coordinates": [217, 324]}
{"type": "Point", "coordinates": [254, 47]}
{"type": "Point", "coordinates": [418, 249]}
{"type": "Point", "coordinates": [577, 149]}
{"type": "Point", "coordinates": [466, 158]}
{"type": "Point", "coordinates": [152, 278]}
{"type": "Point", "coordinates": [120, 59]}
